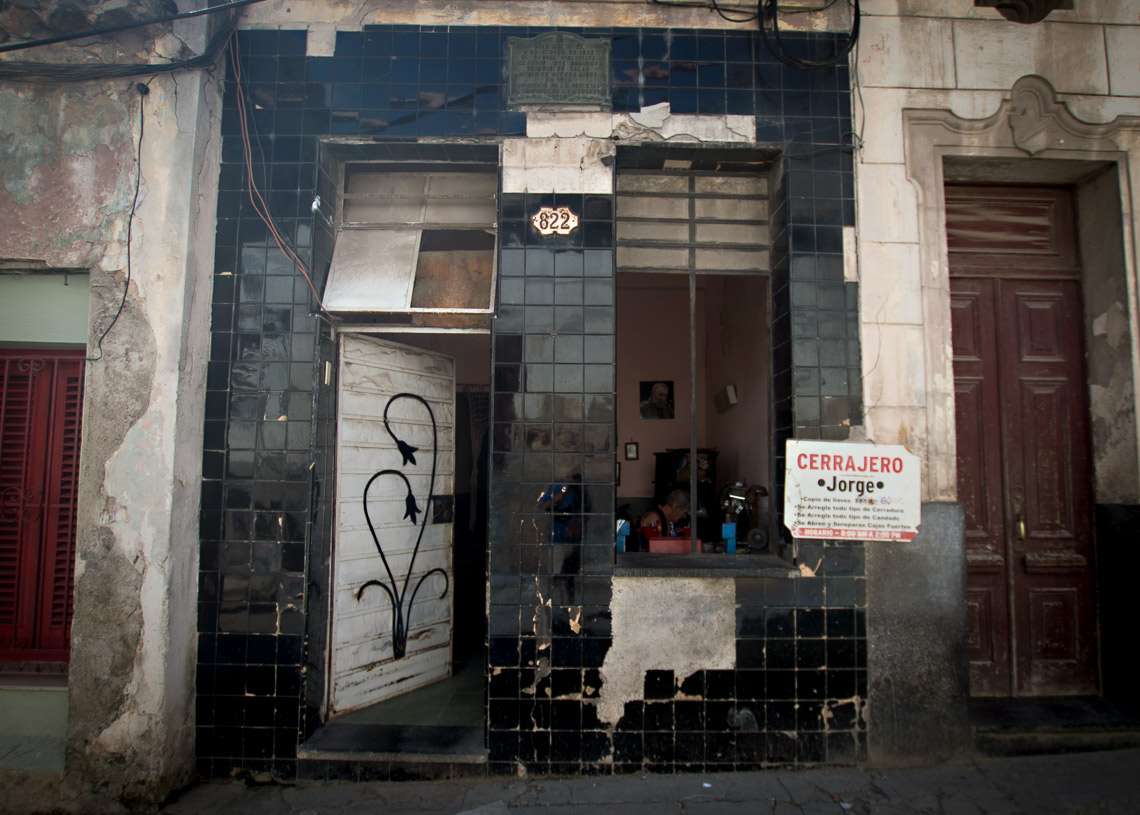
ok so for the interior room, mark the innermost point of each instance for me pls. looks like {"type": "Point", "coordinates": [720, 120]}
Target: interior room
{"type": "Point", "coordinates": [693, 351]}
{"type": "Point", "coordinates": [732, 398]}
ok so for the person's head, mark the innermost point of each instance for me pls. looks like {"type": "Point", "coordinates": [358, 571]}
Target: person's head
{"type": "Point", "coordinates": [659, 393]}
{"type": "Point", "coordinates": [676, 505]}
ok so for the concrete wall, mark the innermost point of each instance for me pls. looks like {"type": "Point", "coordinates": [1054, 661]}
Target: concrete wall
{"type": "Point", "coordinates": [951, 56]}
{"type": "Point", "coordinates": [44, 308]}
{"type": "Point", "coordinates": [936, 80]}
{"type": "Point", "coordinates": [67, 168]}
{"type": "Point", "coordinates": [1108, 353]}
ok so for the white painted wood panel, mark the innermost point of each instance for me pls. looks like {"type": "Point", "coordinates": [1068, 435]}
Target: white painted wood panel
{"type": "Point", "coordinates": [364, 668]}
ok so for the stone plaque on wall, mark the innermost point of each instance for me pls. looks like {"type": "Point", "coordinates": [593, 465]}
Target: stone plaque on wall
{"type": "Point", "coordinates": [558, 69]}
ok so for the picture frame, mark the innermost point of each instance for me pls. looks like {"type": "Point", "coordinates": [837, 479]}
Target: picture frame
{"type": "Point", "coordinates": [632, 451]}
{"type": "Point", "coordinates": [657, 398]}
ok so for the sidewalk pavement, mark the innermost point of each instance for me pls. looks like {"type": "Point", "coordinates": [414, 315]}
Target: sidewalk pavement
{"type": "Point", "coordinates": [1085, 783]}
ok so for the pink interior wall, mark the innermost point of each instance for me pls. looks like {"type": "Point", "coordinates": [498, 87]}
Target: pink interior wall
{"type": "Point", "coordinates": [653, 345]}
{"type": "Point", "coordinates": [732, 348]}
{"type": "Point", "coordinates": [737, 354]}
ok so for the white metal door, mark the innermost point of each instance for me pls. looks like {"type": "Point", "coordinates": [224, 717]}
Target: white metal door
{"type": "Point", "coordinates": [392, 582]}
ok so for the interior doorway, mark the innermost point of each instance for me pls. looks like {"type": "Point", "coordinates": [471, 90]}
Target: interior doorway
{"type": "Point", "coordinates": [408, 623]}
{"type": "Point", "coordinates": [1023, 441]}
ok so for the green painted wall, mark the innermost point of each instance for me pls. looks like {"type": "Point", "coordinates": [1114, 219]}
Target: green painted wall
{"type": "Point", "coordinates": [41, 308]}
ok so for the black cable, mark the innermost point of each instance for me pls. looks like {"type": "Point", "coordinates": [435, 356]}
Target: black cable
{"type": "Point", "coordinates": [72, 72]}
{"type": "Point", "coordinates": [143, 90]}
{"type": "Point", "coordinates": [770, 14]}
{"type": "Point", "coordinates": [712, 6]}
{"type": "Point", "coordinates": [747, 18]}
{"type": "Point", "coordinates": [113, 29]}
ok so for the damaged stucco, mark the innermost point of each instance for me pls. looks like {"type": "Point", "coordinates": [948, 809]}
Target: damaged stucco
{"type": "Point", "coordinates": [1108, 346]}
{"type": "Point", "coordinates": [67, 160]}
{"type": "Point", "coordinates": [673, 623]}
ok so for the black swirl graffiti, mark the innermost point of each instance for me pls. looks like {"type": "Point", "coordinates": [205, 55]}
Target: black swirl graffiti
{"type": "Point", "coordinates": [396, 594]}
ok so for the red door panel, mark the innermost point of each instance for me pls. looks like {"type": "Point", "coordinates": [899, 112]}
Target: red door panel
{"type": "Point", "coordinates": [974, 330]}
{"type": "Point", "coordinates": [1049, 487]}
{"type": "Point", "coordinates": [1024, 468]}
{"type": "Point", "coordinates": [41, 395]}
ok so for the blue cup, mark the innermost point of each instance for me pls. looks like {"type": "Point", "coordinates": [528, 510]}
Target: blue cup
{"type": "Point", "coordinates": [728, 532]}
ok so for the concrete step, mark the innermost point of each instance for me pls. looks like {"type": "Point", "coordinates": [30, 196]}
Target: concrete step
{"type": "Point", "coordinates": [1024, 727]}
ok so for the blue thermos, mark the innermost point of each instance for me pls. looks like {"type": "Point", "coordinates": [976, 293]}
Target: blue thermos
{"type": "Point", "coordinates": [728, 532]}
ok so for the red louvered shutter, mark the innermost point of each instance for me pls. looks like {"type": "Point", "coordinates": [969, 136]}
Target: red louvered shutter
{"type": "Point", "coordinates": [41, 394]}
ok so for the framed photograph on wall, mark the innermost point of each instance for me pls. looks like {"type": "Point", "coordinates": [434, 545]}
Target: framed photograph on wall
{"type": "Point", "coordinates": [656, 398]}
{"type": "Point", "coordinates": [632, 449]}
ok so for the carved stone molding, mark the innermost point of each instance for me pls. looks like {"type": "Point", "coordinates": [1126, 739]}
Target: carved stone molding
{"type": "Point", "coordinates": [1032, 120]}
{"type": "Point", "coordinates": [1031, 127]}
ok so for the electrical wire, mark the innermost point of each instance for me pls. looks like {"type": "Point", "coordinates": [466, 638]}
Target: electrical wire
{"type": "Point", "coordinates": [746, 18]}
{"type": "Point", "coordinates": [770, 15]}
{"type": "Point", "coordinates": [26, 71]}
{"type": "Point", "coordinates": [113, 29]}
{"type": "Point", "coordinates": [749, 17]}
{"type": "Point", "coordinates": [144, 90]}
{"type": "Point", "coordinates": [255, 197]}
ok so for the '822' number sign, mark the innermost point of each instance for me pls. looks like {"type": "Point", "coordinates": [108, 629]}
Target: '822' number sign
{"type": "Point", "coordinates": [554, 221]}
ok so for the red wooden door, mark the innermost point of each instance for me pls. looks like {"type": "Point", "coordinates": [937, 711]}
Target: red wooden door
{"type": "Point", "coordinates": [1024, 468]}
{"type": "Point", "coordinates": [41, 394]}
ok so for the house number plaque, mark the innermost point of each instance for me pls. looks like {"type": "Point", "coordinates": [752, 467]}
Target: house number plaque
{"type": "Point", "coordinates": [554, 221]}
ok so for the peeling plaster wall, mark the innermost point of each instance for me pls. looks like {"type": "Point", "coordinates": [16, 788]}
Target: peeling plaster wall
{"type": "Point", "coordinates": [323, 17]}
{"type": "Point", "coordinates": [677, 624]}
{"type": "Point", "coordinates": [1108, 352]}
{"type": "Point", "coordinates": [67, 167]}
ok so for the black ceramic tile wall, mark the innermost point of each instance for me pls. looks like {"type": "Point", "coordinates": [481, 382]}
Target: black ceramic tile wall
{"type": "Point", "coordinates": [268, 458]}
{"type": "Point", "coordinates": [552, 480]}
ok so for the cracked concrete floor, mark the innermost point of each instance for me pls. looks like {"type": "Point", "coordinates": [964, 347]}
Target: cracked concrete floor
{"type": "Point", "coordinates": [1084, 784]}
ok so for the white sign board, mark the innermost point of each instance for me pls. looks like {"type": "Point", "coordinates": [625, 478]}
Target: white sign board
{"type": "Point", "coordinates": [847, 490]}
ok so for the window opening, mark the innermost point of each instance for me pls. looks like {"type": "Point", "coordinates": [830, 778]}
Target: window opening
{"type": "Point", "coordinates": [417, 241]}
{"type": "Point", "coordinates": [692, 262]}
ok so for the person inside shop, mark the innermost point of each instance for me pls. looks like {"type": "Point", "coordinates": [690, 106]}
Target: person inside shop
{"type": "Point", "coordinates": [664, 520]}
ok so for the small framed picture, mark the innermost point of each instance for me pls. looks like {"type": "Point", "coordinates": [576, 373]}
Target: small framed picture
{"type": "Point", "coordinates": [656, 398]}
{"type": "Point", "coordinates": [631, 450]}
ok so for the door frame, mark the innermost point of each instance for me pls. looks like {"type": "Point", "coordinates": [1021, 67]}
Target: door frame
{"type": "Point", "coordinates": [1032, 137]}
{"type": "Point", "coordinates": [1066, 268]}
{"type": "Point", "coordinates": [1019, 135]}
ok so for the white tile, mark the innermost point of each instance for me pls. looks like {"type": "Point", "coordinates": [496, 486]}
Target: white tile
{"type": "Point", "coordinates": [997, 54]}
{"type": "Point", "coordinates": [883, 124]}
{"type": "Point", "coordinates": [1101, 109]}
{"type": "Point", "coordinates": [891, 290]}
{"type": "Point", "coordinates": [921, 8]}
{"type": "Point", "coordinates": [897, 425]}
{"type": "Point", "coordinates": [1094, 11]}
{"type": "Point", "coordinates": [894, 370]}
{"type": "Point", "coordinates": [888, 204]}
{"type": "Point", "coordinates": [543, 124]}
{"type": "Point", "coordinates": [558, 165]}
{"type": "Point", "coordinates": [320, 41]}
{"type": "Point", "coordinates": [1123, 59]}
{"type": "Point", "coordinates": [906, 52]}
